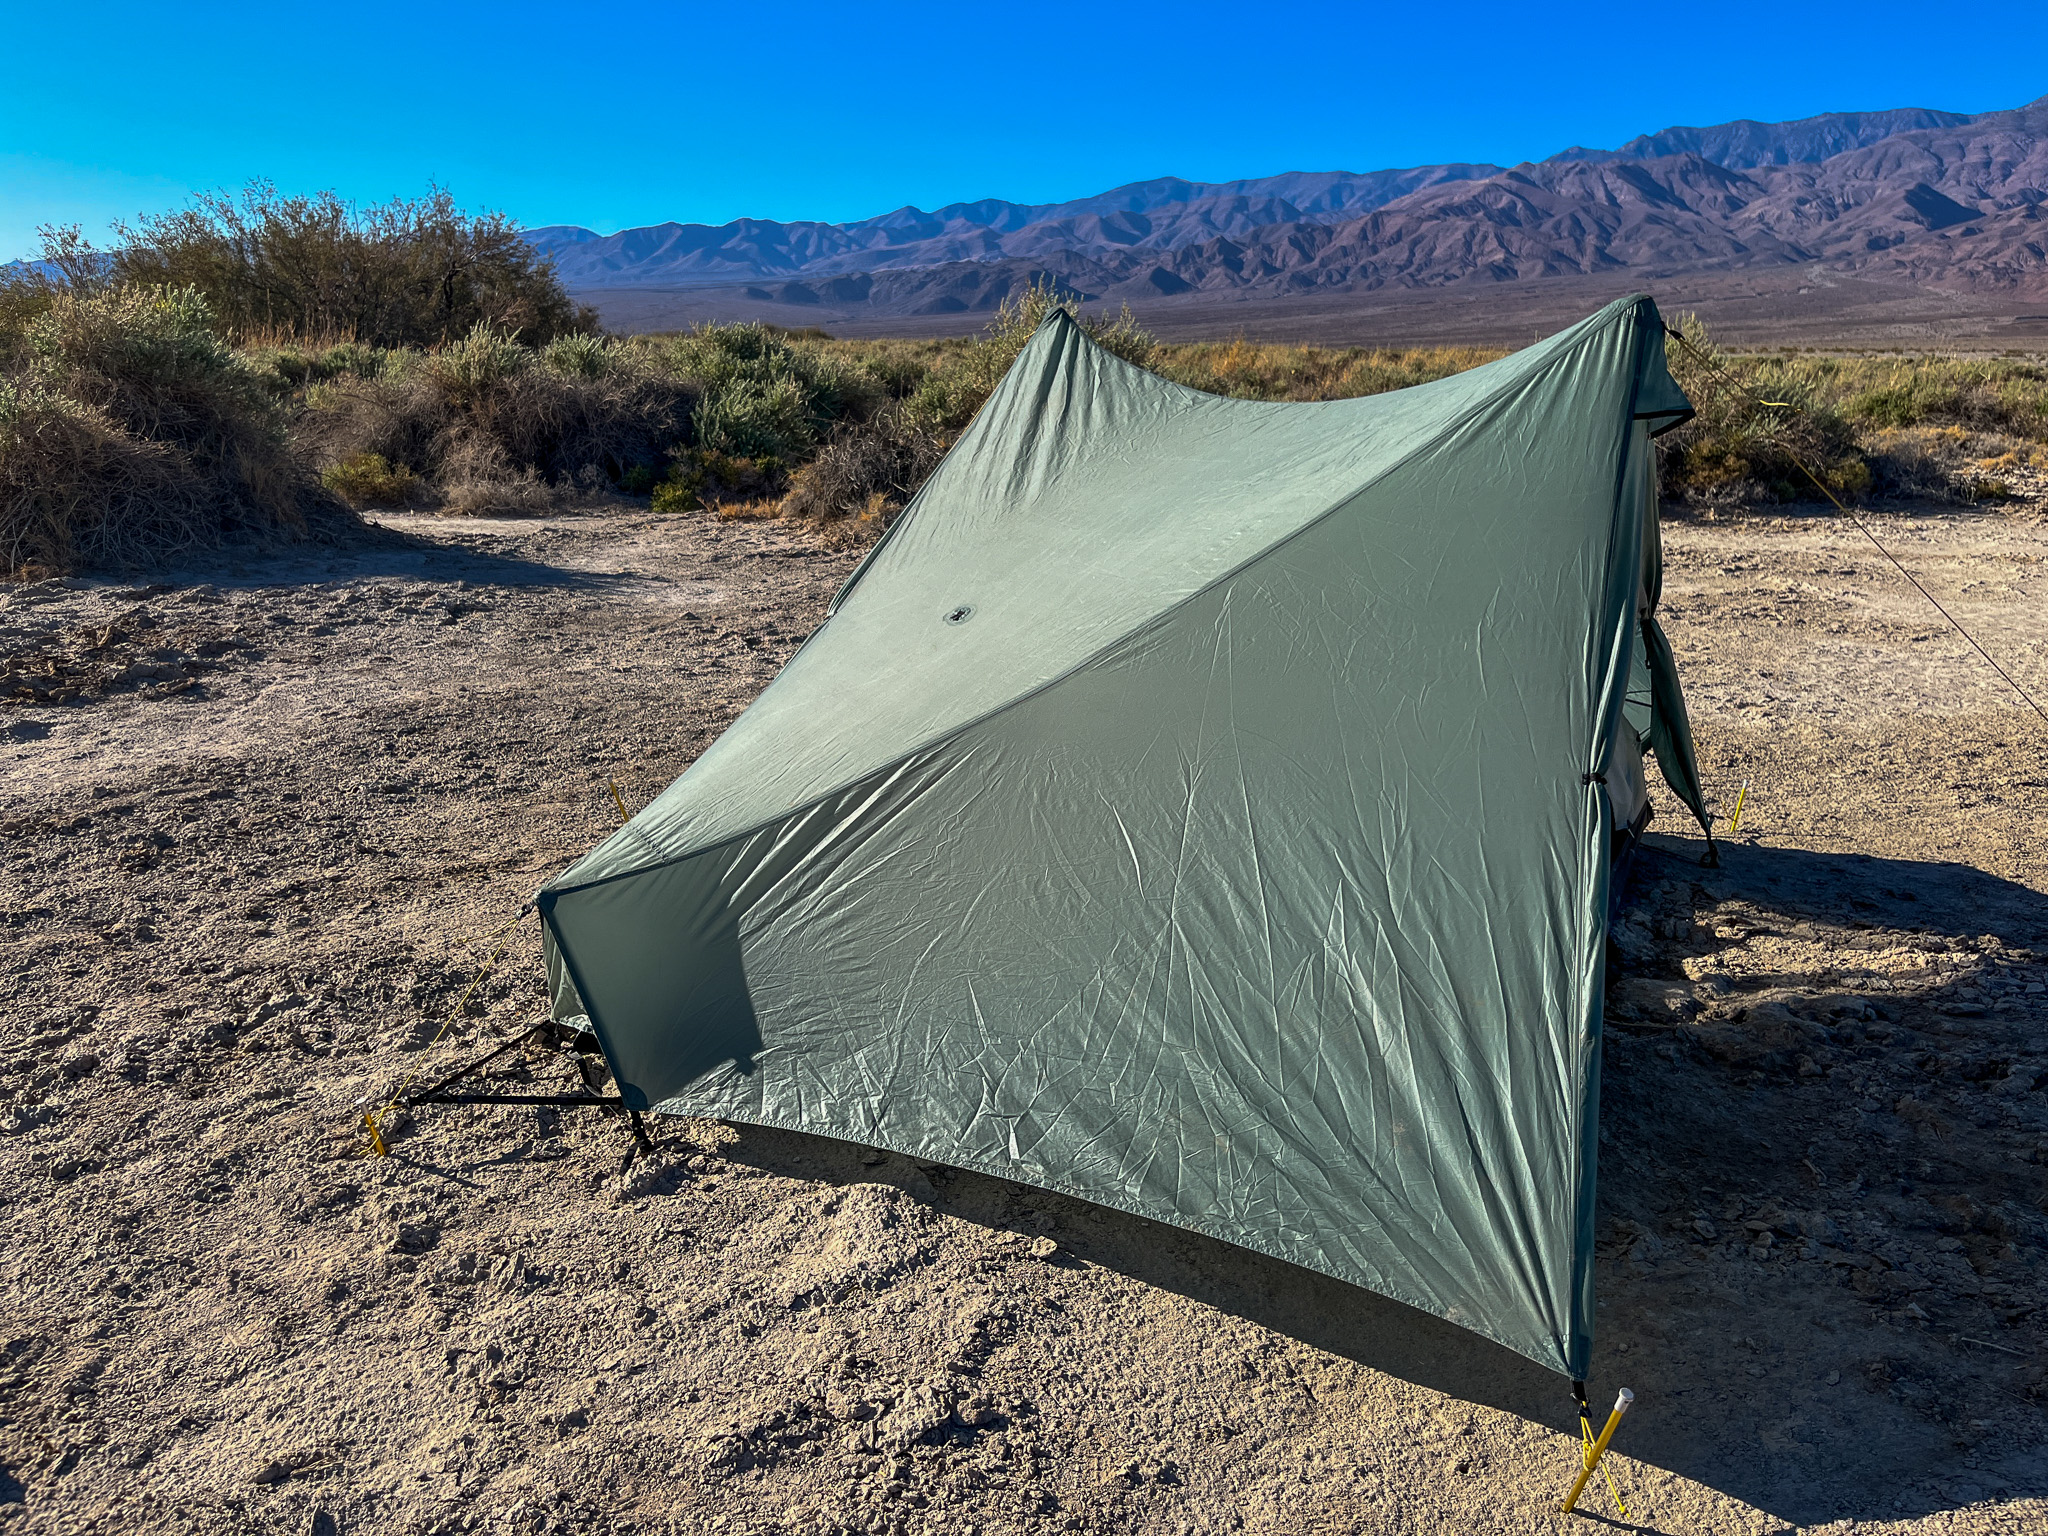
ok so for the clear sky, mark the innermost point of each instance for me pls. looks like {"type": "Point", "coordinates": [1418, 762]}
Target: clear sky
{"type": "Point", "coordinates": [623, 114]}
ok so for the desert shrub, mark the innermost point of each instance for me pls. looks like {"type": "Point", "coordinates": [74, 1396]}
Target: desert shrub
{"type": "Point", "coordinates": [477, 366]}
{"type": "Point", "coordinates": [1981, 396]}
{"type": "Point", "coordinates": [1907, 402]}
{"type": "Point", "coordinates": [759, 418]}
{"type": "Point", "coordinates": [895, 368]}
{"type": "Point", "coordinates": [1254, 371]}
{"type": "Point", "coordinates": [583, 356]}
{"type": "Point", "coordinates": [405, 273]}
{"type": "Point", "coordinates": [133, 433]}
{"type": "Point", "coordinates": [866, 470]}
{"type": "Point", "coordinates": [763, 393]}
{"type": "Point", "coordinates": [75, 490]}
{"type": "Point", "coordinates": [706, 479]}
{"type": "Point", "coordinates": [489, 412]}
{"type": "Point", "coordinates": [288, 370]}
{"type": "Point", "coordinates": [1947, 463]}
{"type": "Point", "coordinates": [370, 480]}
{"type": "Point", "coordinates": [1017, 320]}
{"type": "Point", "coordinates": [949, 394]}
{"type": "Point", "coordinates": [1763, 430]}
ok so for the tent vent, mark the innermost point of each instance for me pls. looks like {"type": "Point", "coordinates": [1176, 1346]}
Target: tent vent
{"type": "Point", "coordinates": [960, 615]}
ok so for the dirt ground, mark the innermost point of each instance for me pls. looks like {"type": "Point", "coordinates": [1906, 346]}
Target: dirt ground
{"type": "Point", "coordinates": [261, 819]}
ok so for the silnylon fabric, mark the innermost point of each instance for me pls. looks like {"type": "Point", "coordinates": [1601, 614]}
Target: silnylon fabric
{"type": "Point", "coordinates": [1195, 806]}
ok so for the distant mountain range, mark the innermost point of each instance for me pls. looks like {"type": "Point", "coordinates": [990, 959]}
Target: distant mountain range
{"type": "Point", "coordinates": [1944, 199]}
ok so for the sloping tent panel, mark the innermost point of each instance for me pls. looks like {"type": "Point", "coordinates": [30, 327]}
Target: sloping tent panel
{"type": "Point", "coordinates": [1277, 915]}
{"type": "Point", "coordinates": [1088, 496]}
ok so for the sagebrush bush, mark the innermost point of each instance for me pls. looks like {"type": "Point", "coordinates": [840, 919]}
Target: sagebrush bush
{"type": "Point", "coordinates": [134, 433]}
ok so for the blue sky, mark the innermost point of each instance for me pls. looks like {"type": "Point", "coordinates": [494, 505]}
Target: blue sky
{"type": "Point", "coordinates": [635, 113]}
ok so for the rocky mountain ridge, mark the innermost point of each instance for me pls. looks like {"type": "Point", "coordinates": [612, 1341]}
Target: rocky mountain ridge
{"type": "Point", "coordinates": [1938, 198]}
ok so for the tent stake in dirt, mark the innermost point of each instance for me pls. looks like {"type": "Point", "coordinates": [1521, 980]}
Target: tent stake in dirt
{"type": "Point", "coordinates": [1598, 1448]}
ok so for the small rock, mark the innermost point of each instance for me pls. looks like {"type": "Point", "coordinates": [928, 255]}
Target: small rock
{"type": "Point", "coordinates": [1042, 1248]}
{"type": "Point", "coordinates": [1817, 1225]}
{"type": "Point", "coordinates": [414, 1237]}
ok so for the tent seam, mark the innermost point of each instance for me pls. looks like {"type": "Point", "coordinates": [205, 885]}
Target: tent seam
{"type": "Point", "coordinates": [1585, 1178]}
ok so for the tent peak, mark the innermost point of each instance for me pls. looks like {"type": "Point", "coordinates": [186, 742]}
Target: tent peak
{"type": "Point", "coordinates": [1053, 316]}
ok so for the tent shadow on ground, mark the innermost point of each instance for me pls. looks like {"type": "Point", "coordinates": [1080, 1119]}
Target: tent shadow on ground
{"type": "Point", "coordinates": [1929, 896]}
{"type": "Point", "coordinates": [1785, 1370]}
{"type": "Point", "coordinates": [1865, 1475]}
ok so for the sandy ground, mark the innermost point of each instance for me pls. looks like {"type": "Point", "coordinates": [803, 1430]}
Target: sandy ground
{"type": "Point", "coordinates": [259, 820]}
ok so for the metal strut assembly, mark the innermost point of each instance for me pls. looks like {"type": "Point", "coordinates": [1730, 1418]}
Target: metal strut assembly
{"type": "Point", "coordinates": [592, 1094]}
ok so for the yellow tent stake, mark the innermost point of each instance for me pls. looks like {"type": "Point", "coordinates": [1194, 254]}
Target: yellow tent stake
{"type": "Point", "coordinates": [621, 799]}
{"type": "Point", "coordinates": [376, 1136]}
{"type": "Point", "coordinates": [1599, 1447]}
{"type": "Point", "coordinates": [1586, 1434]}
{"type": "Point", "coordinates": [1735, 821]}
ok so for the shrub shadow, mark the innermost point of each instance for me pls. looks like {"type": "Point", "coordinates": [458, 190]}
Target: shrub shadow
{"type": "Point", "coordinates": [376, 550]}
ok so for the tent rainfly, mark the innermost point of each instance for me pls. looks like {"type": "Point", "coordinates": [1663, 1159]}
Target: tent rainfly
{"type": "Point", "coordinates": [1202, 807]}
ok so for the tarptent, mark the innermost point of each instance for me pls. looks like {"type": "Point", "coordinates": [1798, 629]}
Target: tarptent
{"type": "Point", "coordinates": [1203, 807]}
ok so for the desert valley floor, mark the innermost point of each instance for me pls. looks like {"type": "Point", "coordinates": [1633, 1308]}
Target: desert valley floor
{"type": "Point", "coordinates": [260, 819]}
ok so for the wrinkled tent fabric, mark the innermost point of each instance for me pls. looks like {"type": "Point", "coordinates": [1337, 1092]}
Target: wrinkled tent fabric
{"type": "Point", "coordinates": [1196, 806]}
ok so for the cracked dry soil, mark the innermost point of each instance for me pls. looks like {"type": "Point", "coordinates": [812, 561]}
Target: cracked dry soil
{"type": "Point", "coordinates": [260, 819]}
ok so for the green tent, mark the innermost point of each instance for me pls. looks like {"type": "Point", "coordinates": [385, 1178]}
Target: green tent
{"type": "Point", "coordinates": [1202, 807]}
